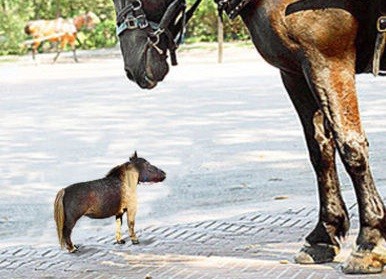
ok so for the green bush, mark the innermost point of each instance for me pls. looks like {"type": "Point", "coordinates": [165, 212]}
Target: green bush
{"type": "Point", "coordinates": [102, 36]}
{"type": "Point", "coordinates": [203, 26]}
{"type": "Point", "coordinates": [11, 34]}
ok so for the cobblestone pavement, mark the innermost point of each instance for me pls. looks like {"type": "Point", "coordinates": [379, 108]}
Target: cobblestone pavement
{"type": "Point", "coordinates": [251, 245]}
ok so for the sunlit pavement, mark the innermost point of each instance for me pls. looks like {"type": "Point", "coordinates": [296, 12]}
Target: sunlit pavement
{"type": "Point", "coordinates": [239, 196]}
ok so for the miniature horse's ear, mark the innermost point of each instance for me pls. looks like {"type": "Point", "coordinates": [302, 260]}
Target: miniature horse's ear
{"type": "Point", "coordinates": [135, 156]}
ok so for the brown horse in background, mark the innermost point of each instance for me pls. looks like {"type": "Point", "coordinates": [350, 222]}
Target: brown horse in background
{"type": "Point", "coordinates": [61, 31]}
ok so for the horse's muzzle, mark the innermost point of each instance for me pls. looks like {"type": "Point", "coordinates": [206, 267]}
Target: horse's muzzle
{"type": "Point", "coordinates": [162, 176]}
{"type": "Point", "coordinates": [143, 81]}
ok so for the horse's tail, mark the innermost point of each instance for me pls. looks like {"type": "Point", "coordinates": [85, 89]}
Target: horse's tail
{"type": "Point", "coordinates": [59, 216]}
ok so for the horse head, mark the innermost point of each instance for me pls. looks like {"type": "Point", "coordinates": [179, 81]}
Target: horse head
{"type": "Point", "coordinates": [147, 172]}
{"type": "Point", "coordinates": [87, 21]}
{"type": "Point", "coordinates": [147, 30]}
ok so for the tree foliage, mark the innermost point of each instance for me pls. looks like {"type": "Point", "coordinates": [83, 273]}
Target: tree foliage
{"type": "Point", "coordinates": [203, 25]}
{"type": "Point", "coordinates": [14, 14]}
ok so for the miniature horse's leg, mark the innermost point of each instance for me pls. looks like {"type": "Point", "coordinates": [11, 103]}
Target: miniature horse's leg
{"type": "Point", "coordinates": [67, 229]}
{"type": "Point", "coordinates": [118, 224]}
{"type": "Point", "coordinates": [131, 212]}
{"type": "Point", "coordinates": [331, 71]}
{"type": "Point", "coordinates": [322, 243]}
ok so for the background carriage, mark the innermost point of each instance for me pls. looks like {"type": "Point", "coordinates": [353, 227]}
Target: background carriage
{"type": "Point", "coordinates": [60, 31]}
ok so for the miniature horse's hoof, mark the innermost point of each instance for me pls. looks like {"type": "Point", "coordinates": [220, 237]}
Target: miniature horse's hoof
{"type": "Point", "coordinates": [363, 262]}
{"type": "Point", "coordinates": [316, 254]}
{"type": "Point", "coordinates": [135, 241]}
{"type": "Point", "coordinates": [120, 241]}
{"type": "Point", "coordinates": [74, 249]}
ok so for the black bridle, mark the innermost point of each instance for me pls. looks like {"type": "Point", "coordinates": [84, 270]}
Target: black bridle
{"type": "Point", "coordinates": [231, 7]}
{"type": "Point", "coordinates": [131, 16]}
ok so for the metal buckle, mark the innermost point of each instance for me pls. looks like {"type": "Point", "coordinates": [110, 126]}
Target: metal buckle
{"type": "Point", "coordinates": [137, 5]}
{"type": "Point", "coordinates": [132, 22]}
{"type": "Point", "coordinates": [381, 24]}
{"type": "Point", "coordinates": [142, 22]}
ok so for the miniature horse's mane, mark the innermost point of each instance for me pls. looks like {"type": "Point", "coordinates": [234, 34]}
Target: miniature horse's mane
{"type": "Point", "coordinates": [118, 171]}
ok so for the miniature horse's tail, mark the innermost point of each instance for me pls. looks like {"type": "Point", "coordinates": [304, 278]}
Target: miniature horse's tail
{"type": "Point", "coordinates": [59, 216]}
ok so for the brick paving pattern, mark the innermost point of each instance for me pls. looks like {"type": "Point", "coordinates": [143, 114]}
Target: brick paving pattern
{"type": "Point", "coordinates": [253, 245]}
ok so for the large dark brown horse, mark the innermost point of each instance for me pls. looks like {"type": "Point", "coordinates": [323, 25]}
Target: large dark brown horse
{"type": "Point", "coordinates": [318, 46]}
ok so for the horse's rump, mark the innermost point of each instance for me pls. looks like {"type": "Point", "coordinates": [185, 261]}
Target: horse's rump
{"type": "Point", "coordinates": [366, 12]}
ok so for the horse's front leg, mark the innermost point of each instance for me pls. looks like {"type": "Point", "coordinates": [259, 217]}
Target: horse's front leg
{"type": "Point", "coordinates": [73, 47]}
{"type": "Point", "coordinates": [131, 212]}
{"type": "Point", "coordinates": [59, 47]}
{"type": "Point", "coordinates": [323, 242]}
{"type": "Point", "coordinates": [118, 225]}
{"type": "Point", "coordinates": [331, 71]}
{"type": "Point", "coordinates": [35, 46]}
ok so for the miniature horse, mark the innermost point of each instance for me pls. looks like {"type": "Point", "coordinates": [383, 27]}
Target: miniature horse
{"type": "Point", "coordinates": [318, 46]}
{"type": "Point", "coordinates": [61, 31]}
{"type": "Point", "coordinates": [112, 195]}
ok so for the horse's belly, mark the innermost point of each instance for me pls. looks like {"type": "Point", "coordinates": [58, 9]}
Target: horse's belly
{"type": "Point", "coordinates": [103, 200]}
{"type": "Point", "coordinates": [104, 206]}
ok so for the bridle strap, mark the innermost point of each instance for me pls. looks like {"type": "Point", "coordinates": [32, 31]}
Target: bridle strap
{"type": "Point", "coordinates": [131, 16]}
{"type": "Point", "coordinates": [231, 7]}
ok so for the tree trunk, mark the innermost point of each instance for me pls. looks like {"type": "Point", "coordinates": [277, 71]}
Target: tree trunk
{"type": "Point", "coordinates": [220, 39]}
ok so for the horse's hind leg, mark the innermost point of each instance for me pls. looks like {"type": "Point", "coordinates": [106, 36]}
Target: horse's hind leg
{"type": "Point", "coordinates": [341, 107]}
{"type": "Point", "coordinates": [322, 243]}
{"type": "Point", "coordinates": [67, 230]}
{"type": "Point", "coordinates": [328, 41]}
{"type": "Point", "coordinates": [72, 214]}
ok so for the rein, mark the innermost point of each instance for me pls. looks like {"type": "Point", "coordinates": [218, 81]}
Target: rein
{"type": "Point", "coordinates": [131, 17]}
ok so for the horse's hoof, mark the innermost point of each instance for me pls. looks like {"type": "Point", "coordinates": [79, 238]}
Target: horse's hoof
{"type": "Point", "coordinates": [135, 241]}
{"type": "Point", "coordinates": [316, 254]}
{"type": "Point", "coordinates": [120, 241]}
{"type": "Point", "coordinates": [365, 262]}
{"type": "Point", "coordinates": [74, 249]}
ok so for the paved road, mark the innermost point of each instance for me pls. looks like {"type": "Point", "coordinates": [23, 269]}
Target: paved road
{"type": "Point", "coordinates": [226, 135]}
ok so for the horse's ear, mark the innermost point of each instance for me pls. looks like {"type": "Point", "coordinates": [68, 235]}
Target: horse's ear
{"type": "Point", "coordinates": [135, 156]}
